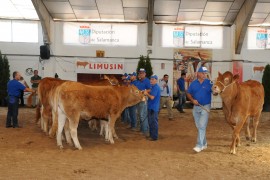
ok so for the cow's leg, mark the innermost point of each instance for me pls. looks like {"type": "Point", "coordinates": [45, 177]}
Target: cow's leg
{"type": "Point", "coordinates": [73, 125]}
{"type": "Point", "coordinates": [256, 119]}
{"type": "Point", "coordinates": [235, 137]}
{"type": "Point", "coordinates": [247, 132]}
{"type": "Point", "coordinates": [61, 123]}
{"type": "Point", "coordinates": [67, 134]}
{"type": "Point", "coordinates": [102, 127]}
{"type": "Point", "coordinates": [54, 124]}
{"type": "Point", "coordinates": [111, 128]}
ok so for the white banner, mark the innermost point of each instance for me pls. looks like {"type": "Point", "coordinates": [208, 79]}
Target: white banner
{"type": "Point", "coordinates": [100, 66]}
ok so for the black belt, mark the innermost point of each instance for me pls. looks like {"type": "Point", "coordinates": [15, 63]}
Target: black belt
{"type": "Point", "coordinates": [14, 96]}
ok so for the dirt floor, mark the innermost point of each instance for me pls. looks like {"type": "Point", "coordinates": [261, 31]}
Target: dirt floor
{"type": "Point", "coordinates": [27, 153]}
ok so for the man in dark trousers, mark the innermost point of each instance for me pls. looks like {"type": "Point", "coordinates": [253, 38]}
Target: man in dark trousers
{"type": "Point", "coordinates": [153, 107]}
{"type": "Point", "coordinates": [14, 90]}
{"type": "Point", "coordinates": [181, 92]}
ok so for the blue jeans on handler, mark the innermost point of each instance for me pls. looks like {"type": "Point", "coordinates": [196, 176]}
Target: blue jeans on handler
{"type": "Point", "coordinates": [12, 114]}
{"type": "Point", "coordinates": [142, 108]}
{"type": "Point", "coordinates": [201, 120]}
{"type": "Point", "coordinates": [153, 124]}
{"type": "Point", "coordinates": [133, 116]}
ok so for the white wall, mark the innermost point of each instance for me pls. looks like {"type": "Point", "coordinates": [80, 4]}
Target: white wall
{"type": "Point", "coordinates": [65, 66]}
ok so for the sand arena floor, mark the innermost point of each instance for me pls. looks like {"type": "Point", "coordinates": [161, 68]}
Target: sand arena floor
{"type": "Point", "coordinates": [27, 153]}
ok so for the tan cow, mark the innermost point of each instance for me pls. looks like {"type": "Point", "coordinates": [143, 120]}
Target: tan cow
{"type": "Point", "coordinates": [73, 100]}
{"type": "Point", "coordinates": [240, 102]}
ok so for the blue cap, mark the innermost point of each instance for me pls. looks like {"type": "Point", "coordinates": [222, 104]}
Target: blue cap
{"type": "Point", "coordinates": [203, 69]}
{"type": "Point", "coordinates": [154, 76]}
{"type": "Point", "coordinates": [134, 74]}
{"type": "Point", "coordinates": [142, 70]}
{"type": "Point", "coordinates": [127, 77]}
{"type": "Point", "coordinates": [125, 74]}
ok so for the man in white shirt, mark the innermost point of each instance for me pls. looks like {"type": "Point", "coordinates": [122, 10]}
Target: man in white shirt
{"type": "Point", "coordinates": [166, 95]}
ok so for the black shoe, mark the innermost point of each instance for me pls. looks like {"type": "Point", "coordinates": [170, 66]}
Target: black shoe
{"type": "Point", "coordinates": [182, 111]}
{"type": "Point", "coordinates": [9, 126]}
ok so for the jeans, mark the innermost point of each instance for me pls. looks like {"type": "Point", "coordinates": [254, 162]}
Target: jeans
{"type": "Point", "coordinates": [133, 116]}
{"type": "Point", "coordinates": [201, 121]}
{"type": "Point", "coordinates": [182, 100]}
{"type": "Point", "coordinates": [153, 124]}
{"type": "Point", "coordinates": [142, 108]}
{"type": "Point", "coordinates": [125, 116]}
{"type": "Point", "coordinates": [12, 114]}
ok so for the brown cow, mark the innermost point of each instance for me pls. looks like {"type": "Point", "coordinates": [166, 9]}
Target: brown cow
{"type": "Point", "coordinates": [73, 100]}
{"type": "Point", "coordinates": [81, 63]}
{"type": "Point", "coordinates": [258, 68]}
{"type": "Point", "coordinates": [240, 101]}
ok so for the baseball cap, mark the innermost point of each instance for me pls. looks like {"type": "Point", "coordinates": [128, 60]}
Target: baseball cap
{"type": "Point", "coordinates": [203, 69]}
{"type": "Point", "coordinates": [133, 74]}
{"type": "Point", "coordinates": [127, 77]}
{"type": "Point", "coordinates": [125, 74]}
{"type": "Point", "coordinates": [142, 70]}
{"type": "Point", "coordinates": [154, 76]}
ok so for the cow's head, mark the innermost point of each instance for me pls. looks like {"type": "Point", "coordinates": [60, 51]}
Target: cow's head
{"type": "Point", "coordinates": [223, 81]}
{"type": "Point", "coordinates": [112, 79]}
{"type": "Point", "coordinates": [135, 95]}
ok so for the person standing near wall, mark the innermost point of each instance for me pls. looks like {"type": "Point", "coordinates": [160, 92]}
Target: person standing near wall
{"type": "Point", "coordinates": [35, 81]}
{"type": "Point", "coordinates": [14, 92]}
{"type": "Point", "coordinates": [153, 107]}
{"type": "Point", "coordinates": [181, 90]}
{"type": "Point", "coordinates": [22, 92]}
{"type": "Point", "coordinates": [143, 85]}
{"type": "Point", "coordinates": [199, 93]}
{"type": "Point", "coordinates": [166, 95]}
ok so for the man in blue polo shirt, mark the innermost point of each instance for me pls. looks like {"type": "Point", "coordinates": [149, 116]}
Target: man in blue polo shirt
{"type": "Point", "coordinates": [199, 93]}
{"type": "Point", "coordinates": [153, 107]}
{"type": "Point", "coordinates": [143, 85]}
{"type": "Point", "coordinates": [14, 90]}
{"type": "Point", "coordinates": [133, 109]}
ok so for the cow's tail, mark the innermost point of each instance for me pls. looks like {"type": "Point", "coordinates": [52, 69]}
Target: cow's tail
{"type": "Point", "coordinates": [55, 104]}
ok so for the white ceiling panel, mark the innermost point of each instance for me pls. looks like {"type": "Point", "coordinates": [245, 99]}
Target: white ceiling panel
{"type": "Point", "coordinates": [218, 14]}
{"type": "Point", "coordinates": [113, 7]}
{"type": "Point", "coordinates": [82, 2]}
{"type": "Point", "coordinates": [213, 19]}
{"type": "Point", "coordinates": [64, 16]}
{"type": "Point", "coordinates": [166, 7]}
{"type": "Point", "coordinates": [58, 7]}
{"type": "Point", "coordinates": [189, 16]}
{"type": "Point", "coordinates": [135, 13]}
{"type": "Point", "coordinates": [259, 15]}
{"type": "Point", "coordinates": [262, 8]}
{"type": "Point", "coordinates": [87, 14]}
{"type": "Point", "coordinates": [111, 17]}
{"type": "Point", "coordinates": [218, 6]}
{"type": "Point", "coordinates": [190, 10]}
{"type": "Point", "coordinates": [84, 8]}
{"type": "Point", "coordinates": [187, 4]}
{"type": "Point", "coordinates": [256, 21]}
{"type": "Point", "coordinates": [135, 3]}
{"type": "Point", "coordinates": [165, 18]}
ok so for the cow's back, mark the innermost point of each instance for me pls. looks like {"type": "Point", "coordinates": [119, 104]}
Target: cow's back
{"type": "Point", "coordinates": [250, 98]}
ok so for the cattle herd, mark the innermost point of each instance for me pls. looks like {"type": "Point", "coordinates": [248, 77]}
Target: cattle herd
{"type": "Point", "coordinates": [63, 103]}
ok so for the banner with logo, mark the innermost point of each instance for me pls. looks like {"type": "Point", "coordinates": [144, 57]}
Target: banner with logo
{"type": "Point", "coordinates": [100, 66]}
{"type": "Point", "coordinates": [100, 34]}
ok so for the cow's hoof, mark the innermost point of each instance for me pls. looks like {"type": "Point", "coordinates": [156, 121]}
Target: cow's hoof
{"type": "Point", "coordinates": [79, 148]}
{"type": "Point", "coordinates": [60, 147]}
{"type": "Point", "coordinates": [253, 140]}
{"type": "Point", "coordinates": [248, 138]}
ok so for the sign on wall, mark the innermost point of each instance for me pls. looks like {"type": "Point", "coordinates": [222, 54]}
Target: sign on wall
{"type": "Point", "coordinates": [100, 66]}
{"type": "Point", "coordinates": [258, 38]}
{"type": "Point", "coordinates": [192, 36]}
{"type": "Point", "coordinates": [100, 34]}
